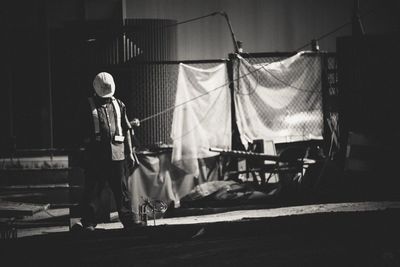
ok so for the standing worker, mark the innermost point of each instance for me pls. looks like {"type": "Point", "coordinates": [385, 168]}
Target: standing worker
{"type": "Point", "coordinates": [108, 155]}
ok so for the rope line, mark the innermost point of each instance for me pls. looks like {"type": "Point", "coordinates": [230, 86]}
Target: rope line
{"type": "Point", "coordinates": [193, 99]}
{"type": "Point", "coordinates": [371, 11]}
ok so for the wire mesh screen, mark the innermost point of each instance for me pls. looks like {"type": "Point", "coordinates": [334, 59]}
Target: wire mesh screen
{"type": "Point", "coordinates": [149, 91]}
{"type": "Point", "coordinates": [281, 103]}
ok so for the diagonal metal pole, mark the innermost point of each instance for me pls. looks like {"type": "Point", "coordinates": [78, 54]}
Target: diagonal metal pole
{"type": "Point", "coordinates": [235, 43]}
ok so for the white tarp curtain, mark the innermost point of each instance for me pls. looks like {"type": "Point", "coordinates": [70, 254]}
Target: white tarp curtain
{"type": "Point", "coordinates": [280, 101]}
{"type": "Point", "coordinates": [202, 117]}
{"type": "Point", "coordinates": [157, 179]}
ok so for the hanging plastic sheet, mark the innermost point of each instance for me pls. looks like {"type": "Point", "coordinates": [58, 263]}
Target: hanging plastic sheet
{"type": "Point", "coordinates": [279, 101]}
{"type": "Point", "coordinates": [202, 118]}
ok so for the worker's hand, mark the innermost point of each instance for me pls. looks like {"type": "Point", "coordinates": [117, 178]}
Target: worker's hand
{"type": "Point", "coordinates": [135, 122]}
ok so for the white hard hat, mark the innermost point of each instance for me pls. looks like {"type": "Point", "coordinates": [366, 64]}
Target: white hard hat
{"type": "Point", "coordinates": [104, 85]}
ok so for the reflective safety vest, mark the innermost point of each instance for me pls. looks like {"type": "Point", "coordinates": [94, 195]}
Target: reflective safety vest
{"type": "Point", "coordinates": [118, 137]}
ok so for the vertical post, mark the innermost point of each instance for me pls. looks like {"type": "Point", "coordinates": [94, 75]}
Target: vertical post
{"type": "Point", "coordinates": [326, 99]}
{"type": "Point", "coordinates": [235, 141]}
{"type": "Point", "coordinates": [50, 89]}
{"type": "Point", "coordinates": [47, 65]}
{"type": "Point", "coordinates": [13, 143]}
{"type": "Point", "coordinates": [123, 9]}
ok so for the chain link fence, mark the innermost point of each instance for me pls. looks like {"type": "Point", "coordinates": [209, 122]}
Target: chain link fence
{"type": "Point", "coordinates": [149, 89]}
{"type": "Point", "coordinates": [301, 118]}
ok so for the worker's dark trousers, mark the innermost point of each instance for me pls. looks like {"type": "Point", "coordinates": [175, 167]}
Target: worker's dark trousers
{"type": "Point", "coordinates": [97, 175]}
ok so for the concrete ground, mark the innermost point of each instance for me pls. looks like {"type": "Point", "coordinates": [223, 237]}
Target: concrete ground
{"type": "Point", "coordinates": [230, 216]}
{"type": "Point", "coordinates": [335, 234]}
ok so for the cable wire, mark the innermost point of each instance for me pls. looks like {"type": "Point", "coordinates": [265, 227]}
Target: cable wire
{"type": "Point", "coordinates": [193, 99]}
{"type": "Point", "coordinates": [250, 72]}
